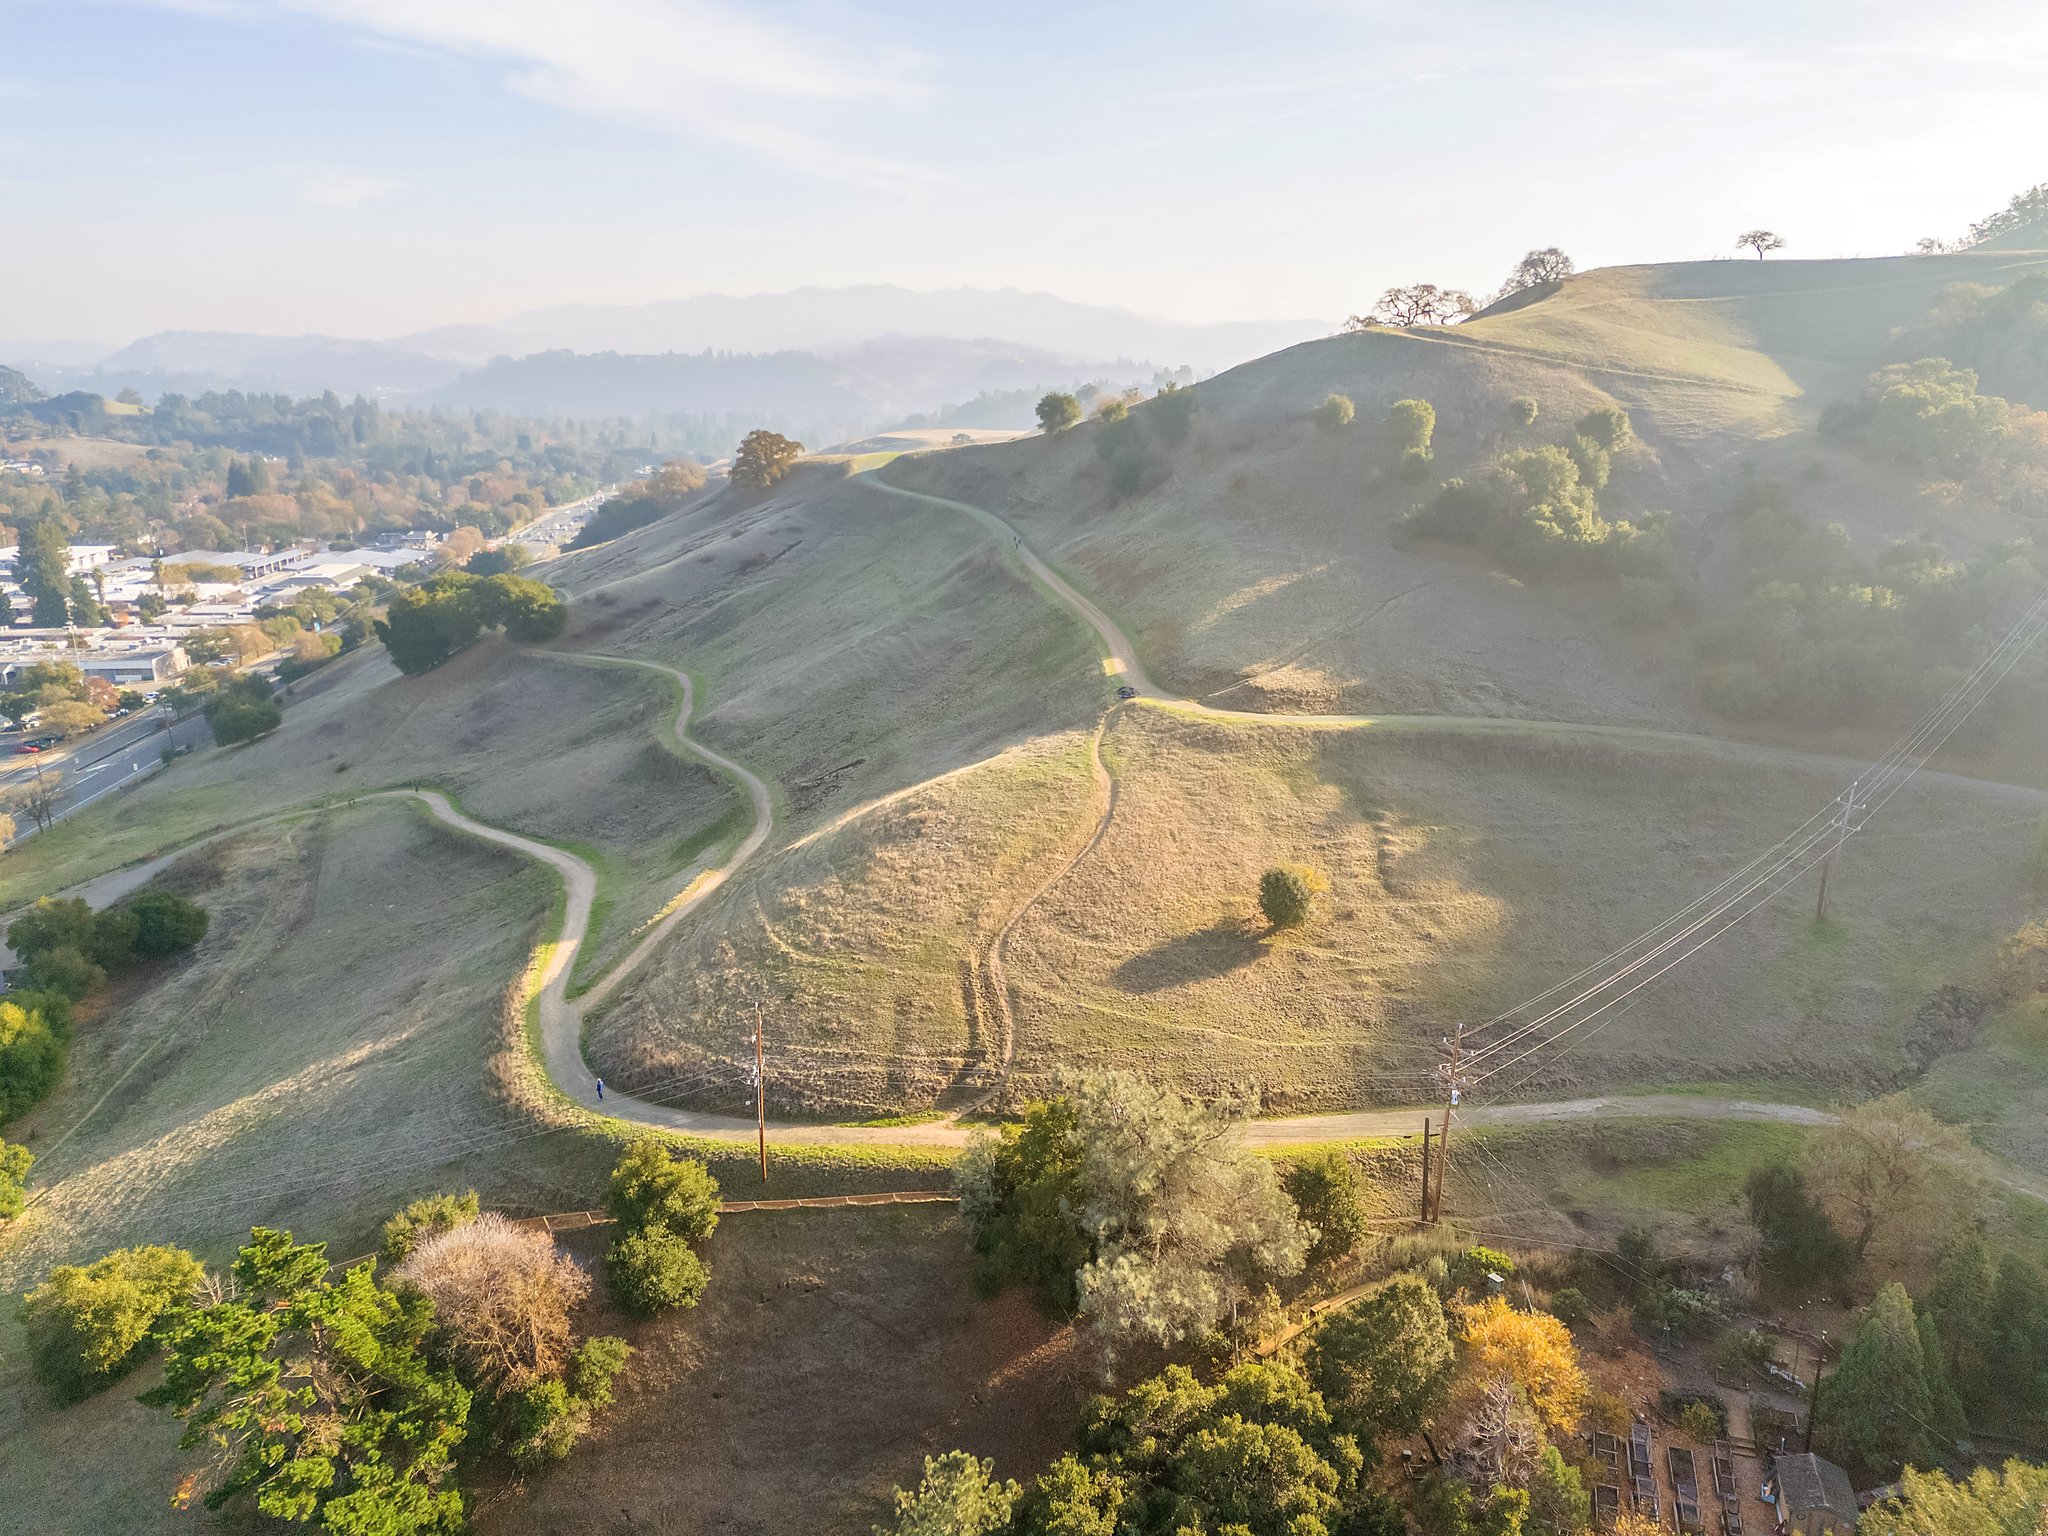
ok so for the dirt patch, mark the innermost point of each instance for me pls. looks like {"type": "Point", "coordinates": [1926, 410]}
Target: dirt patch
{"type": "Point", "coordinates": [832, 1353]}
{"type": "Point", "coordinates": [1947, 1022]}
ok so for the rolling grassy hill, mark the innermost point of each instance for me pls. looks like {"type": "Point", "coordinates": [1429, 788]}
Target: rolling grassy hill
{"type": "Point", "coordinates": [572, 753]}
{"type": "Point", "coordinates": [941, 885]}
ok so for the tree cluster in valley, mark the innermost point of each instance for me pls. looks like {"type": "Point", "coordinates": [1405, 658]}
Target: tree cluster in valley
{"type": "Point", "coordinates": [426, 624]}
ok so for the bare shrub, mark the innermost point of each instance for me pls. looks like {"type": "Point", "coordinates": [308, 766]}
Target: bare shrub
{"type": "Point", "coordinates": [502, 1297]}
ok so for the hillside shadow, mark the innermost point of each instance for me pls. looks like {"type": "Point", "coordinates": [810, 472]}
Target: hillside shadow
{"type": "Point", "coordinates": [1226, 945]}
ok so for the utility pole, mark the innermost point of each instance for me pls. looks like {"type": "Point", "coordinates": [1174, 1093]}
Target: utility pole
{"type": "Point", "coordinates": [1453, 1084]}
{"type": "Point", "coordinates": [1425, 1170]}
{"type": "Point", "coordinates": [760, 1094]}
{"type": "Point", "coordinates": [1844, 809]}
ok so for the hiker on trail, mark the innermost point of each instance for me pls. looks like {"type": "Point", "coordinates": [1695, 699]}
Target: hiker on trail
{"type": "Point", "coordinates": [600, 1090]}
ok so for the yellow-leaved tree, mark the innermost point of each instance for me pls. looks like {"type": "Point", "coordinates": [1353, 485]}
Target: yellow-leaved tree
{"type": "Point", "coordinates": [1534, 1350]}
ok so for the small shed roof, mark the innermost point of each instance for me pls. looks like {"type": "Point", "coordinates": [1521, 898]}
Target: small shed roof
{"type": "Point", "coordinates": [1808, 1482]}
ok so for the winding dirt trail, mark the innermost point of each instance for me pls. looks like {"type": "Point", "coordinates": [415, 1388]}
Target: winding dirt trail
{"type": "Point", "coordinates": [561, 1017]}
{"type": "Point", "coordinates": [1124, 666]}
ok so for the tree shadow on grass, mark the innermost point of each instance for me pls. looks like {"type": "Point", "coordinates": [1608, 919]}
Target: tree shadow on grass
{"type": "Point", "coordinates": [1226, 945]}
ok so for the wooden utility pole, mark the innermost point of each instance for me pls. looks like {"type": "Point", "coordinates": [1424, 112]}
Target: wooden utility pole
{"type": "Point", "coordinates": [1845, 809]}
{"type": "Point", "coordinates": [760, 1094]}
{"type": "Point", "coordinates": [1425, 1169]}
{"type": "Point", "coordinates": [1443, 1139]}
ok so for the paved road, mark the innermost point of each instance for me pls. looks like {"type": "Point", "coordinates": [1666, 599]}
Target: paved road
{"type": "Point", "coordinates": [104, 762]}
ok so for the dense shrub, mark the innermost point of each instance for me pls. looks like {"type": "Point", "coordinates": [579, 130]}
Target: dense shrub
{"type": "Point", "coordinates": [542, 1422]}
{"type": "Point", "coordinates": [243, 711]}
{"type": "Point", "coordinates": [1413, 426]}
{"type": "Point", "coordinates": [15, 1163]}
{"type": "Point", "coordinates": [1057, 411]}
{"type": "Point", "coordinates": [31, 1057]}
{"type": "Point", "coordinates": [422, 1219]}
{"type": "Point", "coordinates": [1287, 894]}
{"type": "Point", "coordinates": [1170, 413]}
{"type": "Point", "coordinates": [1523, 410]}
{"type": "Point", "coordinates": [654, 1270]}
{"type": "Point", "coordinates": [1335, 411]}
{"type": "Point", "coordinates": [65, 971]}
{"type": "Point", "coordinates": [1822, 638]}
{"type": "Point", "coordinates": [89, 1326]}
{"type": "Point", "coordinates": [1570, 1306]}
{"type": "Point", "coordinates": [616, 517]}
{"type": "Point", "coordinates": [164, 923]}
{"type": "Point", "coordinates": [1607, 425]}
{"type": "Point", "coordinates": [651, 1187]}
{"type": "Point", "coordinates": [66, 952]}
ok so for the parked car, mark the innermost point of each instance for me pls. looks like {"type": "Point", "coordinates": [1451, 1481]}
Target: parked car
{"type": "Point", "coordinates": [25, 748]}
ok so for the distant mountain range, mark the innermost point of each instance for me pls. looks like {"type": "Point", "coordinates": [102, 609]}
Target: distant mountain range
{"type": "Point", "coordinates": [858, 357]}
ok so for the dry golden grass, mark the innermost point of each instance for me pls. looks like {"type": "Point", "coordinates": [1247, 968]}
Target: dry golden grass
{"type": "Point", "coordinates": [1469, 871]}
{"type": "Point", "coordinates": [866, 942]}
{"type": "Point", "coordinates": [559, 750]}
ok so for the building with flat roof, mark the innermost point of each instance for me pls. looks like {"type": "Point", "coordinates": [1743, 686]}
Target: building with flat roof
{"type": "Point", "coordinates": [143, 667]}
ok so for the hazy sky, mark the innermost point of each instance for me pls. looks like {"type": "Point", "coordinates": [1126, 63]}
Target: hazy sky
{"type": "Point", "coordinates": [367, 167]}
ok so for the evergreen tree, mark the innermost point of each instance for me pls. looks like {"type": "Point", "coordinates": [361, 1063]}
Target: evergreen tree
{"type": "Point", "coordinates": [2019, 1329]}
{"type": "Point", "coordinates": [1959, 1306]}
{"type": "Point", "coordinates": [1875, 1407]}
{"type": "Point", "coordinates": [1947, 1418]}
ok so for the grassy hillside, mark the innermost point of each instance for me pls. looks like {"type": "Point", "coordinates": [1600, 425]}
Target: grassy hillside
{"type": "Point", "coordinates": [574, 753]}
{"type": "Point", "coordinates": [848, 645]}
{"type": "Point", "coordinates": [1468, 869]}
{"type": "Point", "coordinates": [1263, 561]}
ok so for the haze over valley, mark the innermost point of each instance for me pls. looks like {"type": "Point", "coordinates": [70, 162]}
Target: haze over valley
{"type": "Point", "coordinates": [1184, 773]}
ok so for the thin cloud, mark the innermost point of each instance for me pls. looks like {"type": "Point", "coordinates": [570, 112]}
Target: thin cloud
{"type": "Point", "coordinates": [688, 67]}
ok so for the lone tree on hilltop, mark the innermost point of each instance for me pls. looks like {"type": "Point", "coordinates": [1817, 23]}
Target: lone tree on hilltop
{"type": "Point", "coordinates": [763, 458]}
{"type": "Point", "coordinates": [1417, 304]}
{"type": "Point", "coordinates": [1058, 411]}
{"type": "Point", "coordinates": [1760, 241]}
{"type": "Point", "coordinates": [1549, 265]}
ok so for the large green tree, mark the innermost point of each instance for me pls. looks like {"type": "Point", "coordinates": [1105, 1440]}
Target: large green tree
{"type": "Point", "coordinates": [2005, 1501]}
{"type": "Point", "coordinates": [1057, 411]}
{"type": "Point", "coordinates": [763, 457]}
{"type": "Point", "coordinates": [423, 626]}
{"type": "Point", "coordinates": [1174, 1219]}
{"type": "Point", "coordinates": [1384, 1363]}
{"type": "Point", "coordinates": [317, 1397]}
{"type": "Point", "coordinates": [1875, 1412]}
{"type": "Point", "coordinates": [1256, 1452]}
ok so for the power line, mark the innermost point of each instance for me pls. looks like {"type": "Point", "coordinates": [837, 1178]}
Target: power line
{"type": "Point", "coordinates": [1886, 778]}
